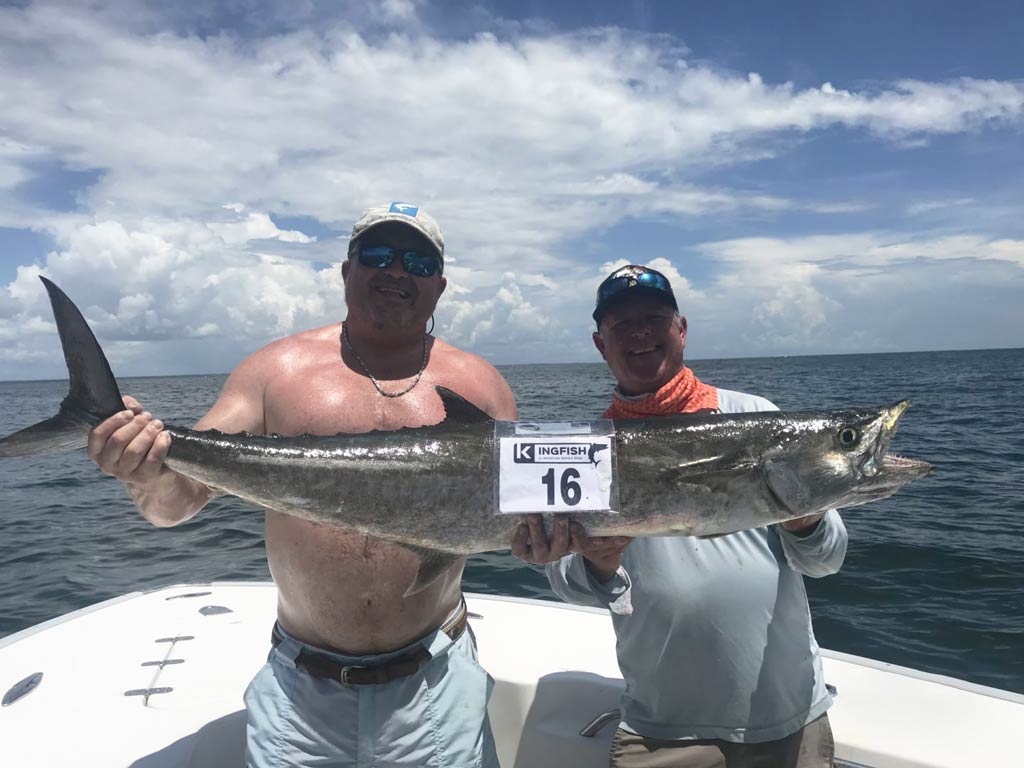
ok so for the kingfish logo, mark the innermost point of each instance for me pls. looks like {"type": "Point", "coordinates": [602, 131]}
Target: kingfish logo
{"type": "Point", "coordinates": [406, 208]}
{"type": "Point", "coordinates": [557, 453]}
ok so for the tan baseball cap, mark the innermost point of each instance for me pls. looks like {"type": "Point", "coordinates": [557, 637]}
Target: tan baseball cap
{"type": "Point", "coordinates": [405, 213]}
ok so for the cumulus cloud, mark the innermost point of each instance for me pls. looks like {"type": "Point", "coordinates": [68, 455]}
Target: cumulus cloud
{"type": "Point", "coordinates": [491, 323]}
{"type": "Point", "coordinates": [256, 226]}
{"type": "Point", "coordinates": [171, 279]}
{"type": "Point", "coordinates": [861, 292]}
{"type": "Point", "coordinates": [522, 143]}
{"type": "Point", "coordinates": [319, 121]}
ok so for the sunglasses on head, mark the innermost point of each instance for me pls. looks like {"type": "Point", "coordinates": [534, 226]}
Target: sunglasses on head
{"type": "Point", "coordinates": [613, 285]}
{"type": "Point", "coordinates": [413, 262]}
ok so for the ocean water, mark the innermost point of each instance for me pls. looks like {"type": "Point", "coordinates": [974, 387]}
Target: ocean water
{"type": "Point", "coordinates": [933, 579]}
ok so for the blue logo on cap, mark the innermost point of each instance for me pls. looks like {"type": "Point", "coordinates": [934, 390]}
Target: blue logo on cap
{"type": "Point", "coordinates": [406, 208]}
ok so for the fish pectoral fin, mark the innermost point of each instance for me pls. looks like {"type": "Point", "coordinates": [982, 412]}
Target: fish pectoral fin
{"type": "Point", "coordinates": [433, 563]}
{"type": "Point", "coordinates": [458, 409]}
{"type": "Point", "coordinates": [784, 484]}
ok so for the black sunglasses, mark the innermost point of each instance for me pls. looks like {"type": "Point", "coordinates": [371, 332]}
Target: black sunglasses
{"type": "Point", "coordinates": [613, 285]}
{"type": "Point", "coordinates": [413, 262]}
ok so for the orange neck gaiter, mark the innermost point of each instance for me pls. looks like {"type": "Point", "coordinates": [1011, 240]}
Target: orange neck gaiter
{"type": "Point", "coordinates": [684, 393]}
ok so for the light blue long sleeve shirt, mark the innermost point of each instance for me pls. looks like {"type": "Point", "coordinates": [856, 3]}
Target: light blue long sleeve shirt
{"type": "Point", "coordinates": [719, 643]}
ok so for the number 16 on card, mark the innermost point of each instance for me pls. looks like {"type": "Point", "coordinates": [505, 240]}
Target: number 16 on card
{"type": "Point", "coordinates": [554, 474]}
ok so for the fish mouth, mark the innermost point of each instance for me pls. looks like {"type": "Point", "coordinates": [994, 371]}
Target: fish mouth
{"type": "Point", "coordinates": [881, 471]}
{"type": "Point", "coordinates": [892, 462]}
{"type": "Point", "coordinates": [895, 472]}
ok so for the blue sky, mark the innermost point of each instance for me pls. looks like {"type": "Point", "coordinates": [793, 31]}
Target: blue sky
{"type": "Point", "coordinates": [814, 177]}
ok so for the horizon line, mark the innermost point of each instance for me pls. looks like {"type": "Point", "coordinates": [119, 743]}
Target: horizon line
{"type": "Point", "coordinates": [596, 362]}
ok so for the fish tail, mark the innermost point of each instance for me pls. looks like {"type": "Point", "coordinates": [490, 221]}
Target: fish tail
{"type": "Point", "coordinates": [92, 396]}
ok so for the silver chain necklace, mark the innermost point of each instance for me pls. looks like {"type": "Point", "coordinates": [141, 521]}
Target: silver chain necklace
{"type": "Point", "coordinates": [423, 365]}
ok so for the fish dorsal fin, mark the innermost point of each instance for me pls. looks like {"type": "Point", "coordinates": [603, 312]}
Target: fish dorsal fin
{"type": "Point", "coordinates": [458, 409]}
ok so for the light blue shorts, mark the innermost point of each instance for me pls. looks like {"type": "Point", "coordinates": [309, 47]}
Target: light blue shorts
{"type": "Point", "coordinates": [436, 718]}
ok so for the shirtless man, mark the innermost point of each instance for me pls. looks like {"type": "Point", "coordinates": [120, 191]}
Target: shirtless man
{"type": "Point", "coordinates": [413, 692]}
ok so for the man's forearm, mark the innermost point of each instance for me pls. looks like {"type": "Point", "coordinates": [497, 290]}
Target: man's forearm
{"type": "Point", "coordinates": [170, 499]}
{"type": "Point", "coordinates": [821, 551]}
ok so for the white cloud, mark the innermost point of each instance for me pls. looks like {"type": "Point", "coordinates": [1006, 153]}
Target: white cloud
{"type": "Point", "coordinates": [916, 209]}
{"type": "Point", "coordinates": [398, 10]}
{"type": "Point", "coordinates": [173, 279]}
{"type": "Point", "coordinates": [523, 146]}
{"type": "Point", "coordinates": [860, 292]}
{"type": "Point", "coordinates": [256, 226]}
{"type": "Point", "coordinates": [319, 122]}
{"type": "Point", "coordinates": [507, 314]}
{"type": "Point", "coordinates": [12, 173]}
{"type": "Point", "coordinates": [859, 250]}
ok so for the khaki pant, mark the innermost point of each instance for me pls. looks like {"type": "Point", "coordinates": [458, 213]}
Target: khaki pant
{"type": "Point", "coordinates": [810, 747]}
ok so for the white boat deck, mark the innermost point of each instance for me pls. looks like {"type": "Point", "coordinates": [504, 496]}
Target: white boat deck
{"type": "Point", "coordinates": [195, 647]}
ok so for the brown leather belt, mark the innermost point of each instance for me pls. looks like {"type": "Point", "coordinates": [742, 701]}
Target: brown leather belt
{"type": "Point", "coordinates": [320, 665]}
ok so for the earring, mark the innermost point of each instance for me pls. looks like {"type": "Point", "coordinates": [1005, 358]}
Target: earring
{"type": "Point", "coordinates": [431, 330]}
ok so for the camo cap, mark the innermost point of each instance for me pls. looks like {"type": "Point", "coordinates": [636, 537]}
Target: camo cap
{"type": "Point", "coordinates": [404, 213]}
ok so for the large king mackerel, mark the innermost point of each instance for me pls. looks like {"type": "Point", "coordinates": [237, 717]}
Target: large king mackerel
{"type": "Point", "coordinates": [431, 489]}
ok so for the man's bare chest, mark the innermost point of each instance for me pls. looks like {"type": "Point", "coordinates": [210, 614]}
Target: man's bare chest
{"type": "Point", "coordinates": [348, 404]}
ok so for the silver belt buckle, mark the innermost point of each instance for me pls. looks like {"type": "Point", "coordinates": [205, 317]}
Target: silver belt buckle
{"type": "Point", "coordinates": [343, 677]}
{"type": "Point", "coordinates": [455, 618]}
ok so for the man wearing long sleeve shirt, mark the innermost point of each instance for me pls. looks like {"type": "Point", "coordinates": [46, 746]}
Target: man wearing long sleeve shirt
{"type": "Point", "coordinates": [714, 635]}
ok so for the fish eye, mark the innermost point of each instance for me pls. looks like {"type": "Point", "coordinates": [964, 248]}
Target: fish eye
{"type": "Point", "coordinates": [849, 437]}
